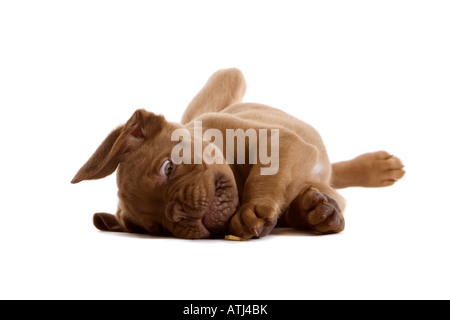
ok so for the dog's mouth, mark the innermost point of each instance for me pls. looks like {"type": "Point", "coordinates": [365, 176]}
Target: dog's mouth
{"type": "Point", "coordinates": [221, 207]}
{"type": "Point", "coordinates": [208, 218]}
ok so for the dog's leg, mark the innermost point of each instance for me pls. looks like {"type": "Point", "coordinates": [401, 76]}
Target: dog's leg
{"type": "Point", "coordinates": [378, 169]}
{"type": "Point", "coordinates": [318, 207]}
{"type": "Point", "coordinates": [224, 88]}
{"type": "Point", "coordinates": [266, 197]}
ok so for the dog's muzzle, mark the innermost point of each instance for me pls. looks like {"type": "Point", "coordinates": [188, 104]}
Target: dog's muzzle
{"type": "Point", "coordinates": [205, 209]}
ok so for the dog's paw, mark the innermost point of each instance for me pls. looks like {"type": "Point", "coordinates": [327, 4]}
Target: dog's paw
{"type": "Point", "coordinates": [379, 169]}
{"type": "Point", "coordinates": [321, 213]}
{"type": "Point", "coordinates": [253, 221]}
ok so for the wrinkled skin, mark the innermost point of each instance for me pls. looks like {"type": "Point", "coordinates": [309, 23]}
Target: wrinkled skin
{"type": "Point", "coordinates": [194, 201]}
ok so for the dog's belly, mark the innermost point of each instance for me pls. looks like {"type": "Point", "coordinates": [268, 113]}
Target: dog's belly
{"type": "Point", "coordinates": [275, 118]}
{"type": "Point", "coordinates": [258, 116]}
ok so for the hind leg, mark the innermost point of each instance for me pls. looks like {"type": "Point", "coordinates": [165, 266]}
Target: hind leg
{"type": "Point", "coordinates": [319, 208]}
{"type": "Point", "coordinates": [224, 88]}
{"type": "Point", "coordinates": [377, 169]}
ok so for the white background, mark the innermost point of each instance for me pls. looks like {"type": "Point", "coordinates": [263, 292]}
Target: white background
{"type": "Point", "coordinates": [369, 75]}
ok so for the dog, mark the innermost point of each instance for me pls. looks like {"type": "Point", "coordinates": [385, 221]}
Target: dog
{"type": "Point", "coordinates": [200, 199]}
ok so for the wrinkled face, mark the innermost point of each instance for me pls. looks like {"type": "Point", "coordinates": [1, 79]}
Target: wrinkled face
{"type": "Point", "coordinates": [156, 195]}
{"type": "Point", "coordinates": [186, 200]}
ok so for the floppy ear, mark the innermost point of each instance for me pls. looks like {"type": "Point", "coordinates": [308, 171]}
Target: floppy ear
{"type": "Point", "coordinates": [103, 162]}
{"type": "Point", "coordinates": [107, 222]}
{"type": "Point", "coordinates": [121, 141]}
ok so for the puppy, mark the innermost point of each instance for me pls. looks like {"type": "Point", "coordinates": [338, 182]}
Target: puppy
{"type": "Point", "coordinates": [197, 198]}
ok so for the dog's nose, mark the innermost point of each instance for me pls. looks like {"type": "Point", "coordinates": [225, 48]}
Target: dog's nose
{"type": "Point", "coordinates": [221, 207]}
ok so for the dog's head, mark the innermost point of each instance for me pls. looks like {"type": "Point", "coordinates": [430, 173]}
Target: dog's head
{"type": "Point", "coordinates": [157, 196]}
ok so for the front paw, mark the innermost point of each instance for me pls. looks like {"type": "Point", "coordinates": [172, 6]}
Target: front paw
{"type": "Point", "coordinates": [321, 212]}
{"type": "Point", "coordinates": [253, 220]}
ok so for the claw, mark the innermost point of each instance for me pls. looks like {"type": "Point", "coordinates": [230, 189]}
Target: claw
{"type": "Point", "coordinates": [255, 232]}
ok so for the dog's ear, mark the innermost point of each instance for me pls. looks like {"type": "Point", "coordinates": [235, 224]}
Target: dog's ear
{"type": "Point", "coordinates": [103, 162]}
{"type": "Point", "coordinates": [107, 222]}
{"type": "Point", "coordinates": [118, 144]}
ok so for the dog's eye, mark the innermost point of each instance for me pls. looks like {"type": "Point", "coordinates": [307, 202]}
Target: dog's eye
{"type": "Point", "coordinates": [167, 168]}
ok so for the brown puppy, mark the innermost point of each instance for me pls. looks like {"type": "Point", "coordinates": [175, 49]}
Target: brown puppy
{"type": "Point", "coordinates": [203, 199]}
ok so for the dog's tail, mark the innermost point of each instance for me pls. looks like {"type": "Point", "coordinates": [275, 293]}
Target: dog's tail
{"type": "Point", "coordinates": [224, 88]}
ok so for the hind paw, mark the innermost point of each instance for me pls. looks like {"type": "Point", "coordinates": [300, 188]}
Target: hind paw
{"type": "Point", "coordinates": [379, 169]}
